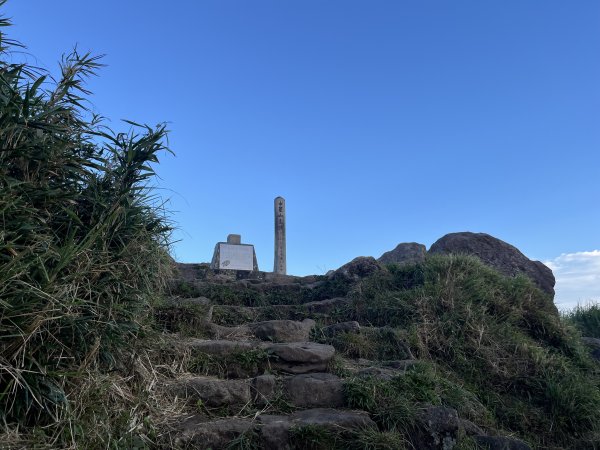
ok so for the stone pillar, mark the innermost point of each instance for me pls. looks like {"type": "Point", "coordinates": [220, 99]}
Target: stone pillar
{"type": "Point", "coordinates": [280, 263]}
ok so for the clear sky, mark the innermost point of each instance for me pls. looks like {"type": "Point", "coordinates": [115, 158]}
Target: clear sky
{"type": "Point", "coordinates": [379, 121]}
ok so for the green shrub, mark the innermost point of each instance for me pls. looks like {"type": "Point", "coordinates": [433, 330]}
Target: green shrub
{"type": "Point", "coordinates": [82, 241]}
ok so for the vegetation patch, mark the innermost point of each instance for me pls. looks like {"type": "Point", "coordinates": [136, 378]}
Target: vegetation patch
{"type": "Point", "coordinates": [314, 437]}
{"type": "Point", "coordinates": [186, 319]}
{"type": "Point", "coordinates": [586, 319]}
{"type": "Point", "coordinates": [498, 341]}
{"type": "Point", "coordinates": [239, 364]}
{"type": "Point", "coordinates": [317, 437]}
{"type": "Point", "coordinates": [83, 257]}
{"type": "Point", "coordinates": [370, 343]}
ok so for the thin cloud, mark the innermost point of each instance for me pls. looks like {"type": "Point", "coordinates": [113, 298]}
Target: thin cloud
{"type": "Point", "coordinates": [577, 278]}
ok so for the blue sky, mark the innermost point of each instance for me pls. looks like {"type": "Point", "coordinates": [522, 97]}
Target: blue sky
{"type": "Point", "coordinates": [379, 122]}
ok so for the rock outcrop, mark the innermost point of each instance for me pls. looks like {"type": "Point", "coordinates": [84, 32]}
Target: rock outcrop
{"type": "Point", "coordinates": [498, 254]}
{"type": "Point", "coordinates": [405, 253]}
{"type": "Point", "coordinates": [360, 267]}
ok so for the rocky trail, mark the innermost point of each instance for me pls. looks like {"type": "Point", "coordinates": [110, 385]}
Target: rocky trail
{"type": "Point", "coordinates": [272, 375]}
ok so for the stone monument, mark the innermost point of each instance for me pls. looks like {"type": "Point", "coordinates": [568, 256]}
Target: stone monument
{"type": "Point", "coordinates": [280, 263]}
{"type": "Point", "coordinates": [233, 255]}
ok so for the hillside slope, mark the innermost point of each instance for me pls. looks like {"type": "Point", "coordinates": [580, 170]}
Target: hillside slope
{"type": "Point", "coordinates": [445, 353]}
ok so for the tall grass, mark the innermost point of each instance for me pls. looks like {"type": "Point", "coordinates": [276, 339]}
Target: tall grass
{"type": "Point", "coordinates": [586, 318]}
{"type": "Point", "coordinates": [500, 338]}
{"type": "Point", "coordinates": [82, 240]}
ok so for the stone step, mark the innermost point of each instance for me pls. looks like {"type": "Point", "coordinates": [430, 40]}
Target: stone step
{"type": "Point", "coordinates": [269, 432]}
{"type": "Point", "coordinates": [196, 433]}
{"type": "Point", "coordinates": [270, 330]}
{"type": "Point", "coordinates": [250, 358]}
{"type": "Point", "coordinates": [212, 391]}
{"type": "Point", "coordinates": [240, 315]}
{"type": "Point", "coordinates": [301, 391]}
{"type": "Point", "coordinates": [276, 429]}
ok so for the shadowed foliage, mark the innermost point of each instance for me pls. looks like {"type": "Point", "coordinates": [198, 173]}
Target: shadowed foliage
{"type": "Point", "coordinates": [82, 242]}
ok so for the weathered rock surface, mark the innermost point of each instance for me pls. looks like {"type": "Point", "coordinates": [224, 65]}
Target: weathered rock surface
{"type": "Point", "coordinates": [191, 302]}
{"type": "Point", "coordinates": [333, 418]}
{"type": "Point", "coordinates": [213, 391]}
{"type": "Point", "coordinates": [300, 357]}
{"type": "Point", "coordinates": [405, 253]}
{"type": "Point", "coordinates": [283, 330]}
{"type": "Point", "coordinates": [358, 268]}
{"type": "Point", "coordinates": [219, 347]}
{"type": "Point", "coordinates": [270, 330]}
{"type": "Point", "coordinates": [498, 254]}
{"type": "Point", "coordinates": [275, 430]}
{"type": "Point", "coordinates": [216, 434]}
{"type": "Point", "coordinates": [314, 390]}
{"type": "Point", "coordinates": [441, 426]}
{"type": "Point", "coordinates": [303, 391]}
{"type": "Point", "coordinates": [219, 332]}
{"type": "Point", "coordinates": [290, 357]}
{"type": "Point", "coordinates": [264, 389]}
{"type": "Point", "coordinates": [501, 443]}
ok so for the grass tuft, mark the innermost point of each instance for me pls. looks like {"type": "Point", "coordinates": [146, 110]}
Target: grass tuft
{"type": "Point", "coordinates": [83, 257]}
{"type": "Point", "coordinates": [586, 318]}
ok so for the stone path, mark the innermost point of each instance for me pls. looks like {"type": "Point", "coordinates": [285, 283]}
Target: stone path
{"type": "Point", "coordinates": [257, 373]}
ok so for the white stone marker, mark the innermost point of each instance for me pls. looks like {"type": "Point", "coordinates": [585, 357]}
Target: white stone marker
{"type": "Point", "coordinates": [233, 255]}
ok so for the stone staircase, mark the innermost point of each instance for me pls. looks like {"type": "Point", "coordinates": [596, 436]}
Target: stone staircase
{"type": "Point", "coordinates": [261, 375]}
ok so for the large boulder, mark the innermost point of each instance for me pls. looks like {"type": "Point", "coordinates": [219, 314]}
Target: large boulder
{"type": "Point", "coordinates": [405, 253]}
{"type": "Point", "coordinates": [493, 252]}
